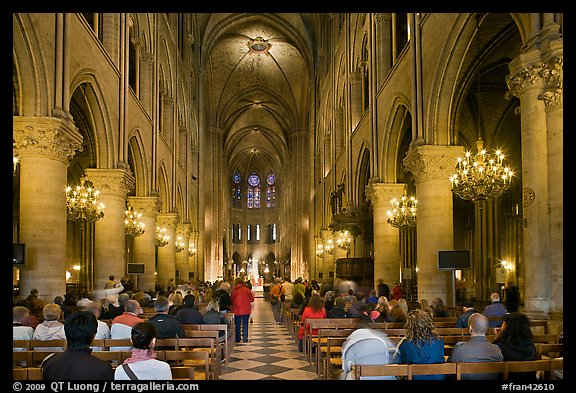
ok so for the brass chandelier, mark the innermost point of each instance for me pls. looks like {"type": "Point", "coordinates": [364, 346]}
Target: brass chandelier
{"type": "Point", "coordinates": [403, 213]}
{"type": "Point", "coordinates": [344, 239]}
{"type": "Point", "coordinates": [82, 202]}
{"type": "Point", "coordinates": [179, 244]}
{"type": "Point", "coordinates": [162, 238]}
{"type": "Point", "coordinates": [482, 176]}
{"type": "Point", "coordinates": [133, 222]}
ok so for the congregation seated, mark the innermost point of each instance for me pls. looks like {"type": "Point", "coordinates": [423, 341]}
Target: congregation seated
{"type": "Point", "coordinates": [477, 348]}
{"type": "Point", "coordinates": [425, 305]}
{"type": "Point", "coordinates": [356, 308]}
{"type": "Point", "coordinates": [189, 313]}
{"type": "Point", "coordinates": [396, 313]}
{"type": "Point", "coordinates": [142, 363]}
{"type": "Point", "coordinates": [103, 330]}
{"type": "Point", "coordinates": [439, 309]}
{"type": "Point", "coordinates": [314, 310]}
{"type": "Point", "coordinates": [167, 326]}
{"type": "Point", "coordinates": [371, 315]}
{"type": "Point", "coordinates": [468, 309]}
{"type": "Point", "coordinates": [177, 300]}
{"type": "Point", "coordinates": [338, 310]}
{"type": "Point", "coordinates": [20, 331]}
{"type": "Point", "coordinates": [121, 326]}
{"type": "Point", "coordinates": [515, 343]}
{"type": "Point", "coordinates": [421, 345]}
{"type": "Point", "coordinates": [214, 317]}
{"type": "Point", "coordinates": [383, 306]}
{"type": "Point", "coordinates": [495, 309]}
{"type": "Point", "coordinates": [51, 328]}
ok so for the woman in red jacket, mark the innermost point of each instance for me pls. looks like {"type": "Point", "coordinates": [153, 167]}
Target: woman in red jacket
{"type": "Point", "coordinates": [241, 298]}
{"type": "Point", "coordinates": [314, 310]}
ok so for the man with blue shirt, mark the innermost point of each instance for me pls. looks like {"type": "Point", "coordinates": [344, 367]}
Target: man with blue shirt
{"type": "Point", "coordinates": [494, 311]}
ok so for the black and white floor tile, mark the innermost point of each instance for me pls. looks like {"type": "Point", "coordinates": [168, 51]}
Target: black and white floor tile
{"type": "Point", "coordinates": [272, 354]}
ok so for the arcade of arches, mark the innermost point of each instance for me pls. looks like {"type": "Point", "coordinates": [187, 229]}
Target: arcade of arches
{"type": "Point", "coordinates": [253, 139]}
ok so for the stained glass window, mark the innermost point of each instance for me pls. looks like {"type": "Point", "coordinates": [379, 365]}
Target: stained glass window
{"type": "Point", "coordinates": [253, 195]}
{"type": "Point", "coordinates": [236, 190]}
{"type": "Point", "coordinates": [270, 190]}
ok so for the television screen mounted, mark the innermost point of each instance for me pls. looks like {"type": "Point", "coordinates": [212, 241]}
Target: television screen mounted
{"type": "Point", "coordinates": [135, 268]}
{"type": "Point", "coordinates": [18, 254]}
{"type": "Point", "coordinates": [454, 259]}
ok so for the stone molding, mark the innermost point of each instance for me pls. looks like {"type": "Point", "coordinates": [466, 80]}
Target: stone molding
{"type": "Point", "coordinates": [45, 136]}
{"type": "Point", "coordinates": [525, 78]}
{"type": "Point", "coordinates": [553, 74]}
{"type": "Point", "coordinates": [430, 162]}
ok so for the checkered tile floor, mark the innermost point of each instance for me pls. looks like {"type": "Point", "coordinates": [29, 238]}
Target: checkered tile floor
{"type": "Point", "coordinates": [272, 353]}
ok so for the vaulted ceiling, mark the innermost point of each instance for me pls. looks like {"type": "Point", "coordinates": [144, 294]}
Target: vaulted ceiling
{"type": "Point", "coordinates": [259, 85]}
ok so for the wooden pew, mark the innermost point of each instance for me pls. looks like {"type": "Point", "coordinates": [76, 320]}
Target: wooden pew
{"type": "Point", "coordinates": [205, 344]}
{"type": "Point", "coordinates": [193, 365]}
{"type": "Point", "coordinates": [322, 345]}
{"type": "Point", "coordinates": [27, 374]}
{"type": "Point", "coordinates": [384, 370]}
{"type": "Point", "coordinates": [479, 368]}
{"type": "Point", "coordinates": [543, 366]}
{"type": "Point", "coordinates": [548, 351]}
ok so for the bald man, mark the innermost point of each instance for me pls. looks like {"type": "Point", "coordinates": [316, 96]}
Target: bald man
{"type": "Point", "coordinates": [477, 348]}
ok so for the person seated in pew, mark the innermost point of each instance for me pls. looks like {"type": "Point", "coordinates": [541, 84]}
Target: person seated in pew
{"type": "Point", "coordinates": [421, 345]}
{"type": "Point", "coordinates": [103, 330]}
{"type": "Point", "coordinates": [167, 326]}
{"type": "Point", "coordinates": [371, 315]}
{"type": "Point", "coordinates": [439, 309]}
{"type": "Point", "coordinates": [477, 348]}
{"type": "Point", "coordinates": [495, 309]}
{"type": "Point", "coordinates": [51, 328]}
{"type": "Point", "coordinates": [213, 316]}
{"type": "Point", "coordinates": [122, 324]}
{"type": "Point", "coordinates": [469, 309]}
{"type": "Point", "coordinates": [338, 309]}
{"type": "Point", "coordinates": [142, 364]}
{"type": "Point", "coordinates": [77, 362]}
{"type": "Point", "coordinates": [515, 343]}
{"type": "Point", "coordinates": [189, 313]}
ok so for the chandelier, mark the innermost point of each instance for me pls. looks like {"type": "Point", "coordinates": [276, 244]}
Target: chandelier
{"type": "Point", "coordinates": [481, 176]}
{"type": "Point", "coordinates": [191, 250]}
{"type": "Point", "coordinates": [320, 250]}
{"type": "Point", "coordinates": [82, 202]}
{"type": "Point", "coordinates": [179, 243]}
{"type": "Point", "coordinates": [329, 247]}
{"type": "Point", "coordinates": [343, 240]}
{"type": "Point", "coordinates": [162, 238]}
{"type": "Point", "coordinates": [133, 222]}
{"type": "Point", "coordinates": [403, 213]}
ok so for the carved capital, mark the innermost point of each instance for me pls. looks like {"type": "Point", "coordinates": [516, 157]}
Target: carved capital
{"type": "Point", "coordinates": [167, 220]}
{"type": "Point", "coordinates": [380, 194]}
{"type": "Point", "coordinates": [553, 75]}
{"type": "Point", "coordinates": [183, 230]}
{"type": "Point", "coordinates": [525, 78]}
{"type": "Point", "coordinates": [112, 181]}
{"type": "Point", "coordinates": [149, 206]}
{"type": "Point", "coordinates": [431, 162]}
{"type": "Point", "coordinates": [382, 18]}
{"type": "Point", "coordinates": [45, 136]}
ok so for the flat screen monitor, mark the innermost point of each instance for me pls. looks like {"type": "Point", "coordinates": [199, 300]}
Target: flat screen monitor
{"type": "Point", "coordinates": [136, 268]}
{"type": "Point", "coordinates": [453, 259]}
{"type": "Point", "coordinates": [18, 254]}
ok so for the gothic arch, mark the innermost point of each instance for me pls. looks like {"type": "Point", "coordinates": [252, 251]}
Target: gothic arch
{"type": "Point", "coordinates": [138, 162]}
{"type": "Point", "coordinates": [399, 119]}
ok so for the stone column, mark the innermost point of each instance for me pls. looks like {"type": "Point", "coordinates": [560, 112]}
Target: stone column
{"type": "Point", "coordinates": [145, 244]}
{"type": "Point", "coordinates": [167, 254]}
{"type": "Point", "coordinates": [193, 260]}
{"type": "Point", "coordinates": [553, 100]}
{"type": "Point", "coordinates": [109, 231]}
{"type": "Point", "coordinates": [383, 46]}
{"type": "Point", "coordinates": [146, 79]}
{"type": "Point", "coordinates": [183, 230]}
{"type": "Point", "coordinates": [44, 145]}
{"type": "Point", "coordinates": [328, 259]}
{"type": "Point", "coordinates": [386, 237]}
{"type": "Point", "coordinates": [432, 166]}
{"type": "Point", "coordinates": [355, 80]}
{"type": "Point", "coordinates": [527, 83]}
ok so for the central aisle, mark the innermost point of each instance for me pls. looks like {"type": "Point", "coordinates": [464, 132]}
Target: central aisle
{"type": "Point", "coordinates": [272, 353]}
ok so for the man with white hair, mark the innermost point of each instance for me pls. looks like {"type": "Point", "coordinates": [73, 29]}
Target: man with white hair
{"type": "Point", "coordinates": [494, 311]}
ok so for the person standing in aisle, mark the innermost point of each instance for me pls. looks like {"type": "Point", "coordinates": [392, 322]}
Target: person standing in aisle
{"type": "Point", "coordinates": [276, 293]}
{"type": "Point", "coordinates": [241, 299]}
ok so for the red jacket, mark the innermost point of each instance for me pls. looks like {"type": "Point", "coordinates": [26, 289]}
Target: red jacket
{"type": "Point", "coordinates": [241, 299]}
{"type": "Point", "coordinates": [309, 313]}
